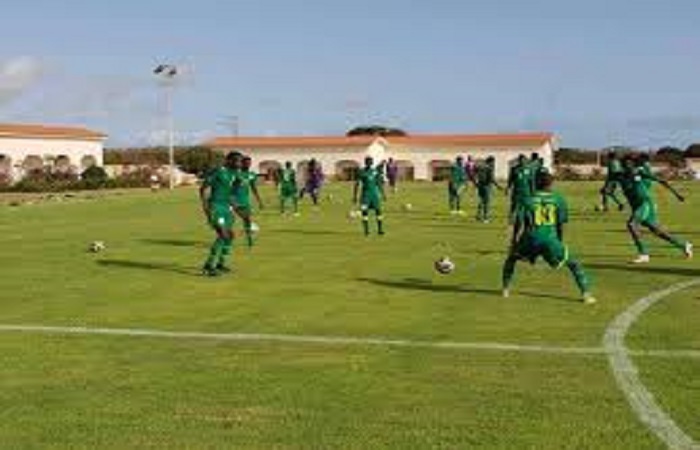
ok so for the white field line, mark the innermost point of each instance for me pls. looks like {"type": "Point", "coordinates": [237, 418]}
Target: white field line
{"type": "Point", "coordinates": [627, 376]}
{"type": "Point", "coordinates": [332, 340]}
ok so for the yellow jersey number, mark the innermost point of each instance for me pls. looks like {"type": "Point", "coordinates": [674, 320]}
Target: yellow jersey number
{"type": "Point", "coordinates": [545, 215]}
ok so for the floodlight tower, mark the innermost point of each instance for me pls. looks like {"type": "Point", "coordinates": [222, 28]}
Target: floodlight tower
{"type": "Point", "coordinates": [166, 73]}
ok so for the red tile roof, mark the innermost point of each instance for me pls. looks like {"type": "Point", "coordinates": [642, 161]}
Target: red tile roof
{"type": "Point", "coordinates": [471, 140]}
{"type": "Point", "coordinates": [48, 132]}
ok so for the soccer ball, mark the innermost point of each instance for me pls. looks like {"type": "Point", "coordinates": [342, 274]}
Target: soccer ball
{"type": "Point", "coordinates": [354, 214]}
{"type": "Point", "coordinates": [444, 266]}
{"type": "Point", "coordinates": [254, 228]}
{"type": "Point", "coordinates": [97, 247]}
{"type": "Point", "coordinates": [408, 207]}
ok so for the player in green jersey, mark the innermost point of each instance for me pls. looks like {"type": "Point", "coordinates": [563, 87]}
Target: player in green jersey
{"type": "Point", "coordinates": [456, 185]}
{"type": "Point", "coordinates": [246, 182]}
{"type": "Point", "coordinates": [485, 180]}
{"type": "Point", "coordinates": [538, 232]}
{"type": "Point", "coordinates": [608, 191]}
{"type": "Point", "coordinates": [288, 189]}
{"type": "Point", "coordinates": [520, 185]}
{"type": "Point", "coordinates": [644, 164]}
{"type": "Point", "coordinates": [370, 186]}
{"type": "Point", "coordinates": [634, 182]}
{"type": "Point", "coordinates": [215, 195]}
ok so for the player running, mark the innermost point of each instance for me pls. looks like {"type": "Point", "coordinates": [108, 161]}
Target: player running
{"type": "Point", "coordinates": [314, 182]}
{"type": "Point", "coordinates": [612, 181]}
{"type": "Point", "coordinates": [215, 195]}
{"type": "Point", "coordinates": [539, 232]}
{"type": "Point", "coordinates": [635, 185]}
{"type": "Point", "coordinates": [245, 183]}
{"type": "Point", "coordinates": [520, 185]}
{"type": "Point", "coordinates": [370, 185]}
{"type": "Point", "coordinates": [485, 180]}
{"type": "Point", "coordinates": [456, 185]}
{"type": "Point", "coordinates": [288, 190]}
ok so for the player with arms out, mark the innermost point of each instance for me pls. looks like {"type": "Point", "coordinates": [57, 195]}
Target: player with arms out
{"type": "Point", "coordinates": [370, 186]}
{"type": "Point", "coordinates": [245, 183]}
{"type": "Point", "coordinates": [520, 185]}
{"type": "Point", "coordinates": [538, 231]}
{"type": "Point", "coordinates": [485, 180]}
{"type": "Point", "coordinates": [635, 182]}
{"type": "Point", "coordinates": [612, 181]}
{"type": "Point", "coordinates": [288, 190]}
{"type": "Point", "coordinates": [456, 185]}
{"type": "Point", "coordinates": [215, 194]}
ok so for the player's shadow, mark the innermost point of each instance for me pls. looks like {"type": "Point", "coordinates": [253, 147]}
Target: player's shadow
{"type": "Point", "coordinates": [175, 242]}
{"type": "Point", "coordinates": [142, 265]}
{"type": "Point", "coordinates": [638, 268]}
{"type": "Point", "coordinates": [314, 232]}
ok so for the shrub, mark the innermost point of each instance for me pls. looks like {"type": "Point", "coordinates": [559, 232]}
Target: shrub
{"type": "Point", "coordinates": [568, 173]}
{"type": "Point", "coordinates": [94, 177]}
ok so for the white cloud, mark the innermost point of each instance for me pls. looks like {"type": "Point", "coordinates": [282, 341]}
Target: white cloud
{"type": "Point", "coordinates": [18, 75]}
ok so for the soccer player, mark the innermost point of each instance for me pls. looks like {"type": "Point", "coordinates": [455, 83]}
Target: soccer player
{"type": "Point", "coordinates": [634, 182]}
{"type": "Point", "coordinates": [520, 185]}
{"type": "Point", "coordinates": [370, 185]}
{"type": "Point", "coordinates": [614, 169]}
{"type": "Point", "coordinates": [392, 174]}
{"type": "Point", "coordinates": [245, 183]}
{"type": "Point", "coordinates": [314, 182]}
{"type": "Point", "coordinates": [288, 191]}
{"type": "Point", "coordinates": [484, 180]}
{"type": "Point", "coordinates": [644, 163]}
{"type": "Point", "coordinates": [539, 232]}
{"type": "Point", "coordinates": [456, 185]}
{"type": "Point", "coordinates": [215, 195]}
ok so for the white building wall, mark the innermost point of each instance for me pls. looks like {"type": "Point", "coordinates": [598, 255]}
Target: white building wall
{"type": "Point", "coordinates": [20, 148]}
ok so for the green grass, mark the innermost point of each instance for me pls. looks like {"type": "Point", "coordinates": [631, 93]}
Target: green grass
{"type": "Point", "coordinates": [317, 275]}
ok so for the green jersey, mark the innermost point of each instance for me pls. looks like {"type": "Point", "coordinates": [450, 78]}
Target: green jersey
{"type": "Point", "coordinates": [288, 181]}
{"type": "Point", "coordinates": [458, 175]}
{"type": "Point", "coordinates": [542, 214]}
{"type": "Point", "coordinates": [614, 169]}
{"type": "Point", "coordinates": [221, 181]}
{"type": "Point", "coordinates": [649, 175]}
{"type": "Point", "coordinates": [520, 181]}
{"type": "Point", "coordinates": [370, 180]}
{"type": "Point", "coordinates": [485, 175]}
{"type": "Point", "coordinates": [245, 181]}
{"type": "Point", "coordinates": [635, 185]}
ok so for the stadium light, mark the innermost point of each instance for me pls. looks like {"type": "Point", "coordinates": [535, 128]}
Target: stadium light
{"type": "Point", "coordinates": [167, 74]}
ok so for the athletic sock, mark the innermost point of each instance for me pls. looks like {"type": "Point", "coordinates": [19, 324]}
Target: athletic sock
{"type": "Point", "coordinates": [508, 271]}
{"type": "Point", "coordinates": [214, 252]}
{"type": "Point", "coordinates": [380, 224]}
{"type": "Point", "coordinates": [579, 275]}
{"type": "Point", "coordinates": [226, 247]}
{"type": "Point", "coordinates": [365, 223]}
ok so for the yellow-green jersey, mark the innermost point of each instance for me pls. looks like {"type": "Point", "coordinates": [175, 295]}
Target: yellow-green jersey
{"type": "Point", "coordinates": [542, 215]}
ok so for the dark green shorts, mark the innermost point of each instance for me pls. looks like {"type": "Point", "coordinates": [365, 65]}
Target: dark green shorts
{"type": "Point", "coordinates": [645, 214]}
{"type": "Point", "coordinates": [553, 251]}
{"type": "Point", "coordinates": [243, 209]}
{"type": "Point", "coordinates": [368, 204]}
{"type": "Point", "coordinates": [221, 216]}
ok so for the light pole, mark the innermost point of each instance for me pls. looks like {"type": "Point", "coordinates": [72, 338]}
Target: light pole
{"type": "Point", "coordinates": [167, 74]}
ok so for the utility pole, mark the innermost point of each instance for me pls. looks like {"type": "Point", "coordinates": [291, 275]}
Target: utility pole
{"type": "Point", "coordinates": [167, 73]}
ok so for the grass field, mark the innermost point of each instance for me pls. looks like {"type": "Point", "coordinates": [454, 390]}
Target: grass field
{"type": "Point", "coordinates": [316, 275]}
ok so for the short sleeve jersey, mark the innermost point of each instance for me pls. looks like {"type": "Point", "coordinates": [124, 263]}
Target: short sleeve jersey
{"type": "Point", "coordinates": [458, 175]}
{"type": "Point", "coordinates": [484, 175]}
{"type": "Point", "coordinates": [288, 179]}
{"type": "Point", "coordinates": [635, 185]}
{"type": "Point", "coordinates": [542, 213]}
{"type": "Point", "coordinates": [242, 187]}
{"type": "Point", "coordinates": [521, 181]}
{"type": "Point", "coordinates": [221, 181]}
{"type": "Point", "coordinates": [370, 181]}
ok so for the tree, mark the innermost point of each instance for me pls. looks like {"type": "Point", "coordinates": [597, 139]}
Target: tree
{"type": "Point", "coordinates": [94, 177]}
{"type": "Point", "coordinates": [376, 130]}
{"type": "Point", "coordinates": [197, 160]}
{"type": "Point", "coordinates": [565, 156]}
{"type": "Point", "coordinates": [673, 156]}
{"type": "Point", "coordinates": [693, 151]}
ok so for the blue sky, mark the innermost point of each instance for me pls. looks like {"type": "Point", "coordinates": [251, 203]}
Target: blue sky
{"type": "Point", "coordinates": [595, 72]}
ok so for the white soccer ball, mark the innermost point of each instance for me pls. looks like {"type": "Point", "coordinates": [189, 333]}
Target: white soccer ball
{"type": "Point", "coordinates": [354, 214]}
{"type": "Point", "coordinates": [97, 247]}
{"type": "Point", "coordinates": [444, 266]}
{"type": "Point", "coordinates": [408, 207]}
{"type": "Point", "coordinates": [254, 228]}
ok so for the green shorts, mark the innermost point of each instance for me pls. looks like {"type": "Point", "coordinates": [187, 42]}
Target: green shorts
{"type": "Point", "coordinates": [371, 203]}
{"type": "Point", "coordinates": [243, 209]}
{"type": "Point", "coordinates": [484, 192]}
{"type": "Point", "coordinates": [221, 216]}
{"type": "Point", "coordinates": [645, 214]}
{"type": "Point", "coordinates": [553, 251]}
{"type": "Point", "coordinates": [288, 192]}
{"type": "Point", "coordinates": [456, 190]}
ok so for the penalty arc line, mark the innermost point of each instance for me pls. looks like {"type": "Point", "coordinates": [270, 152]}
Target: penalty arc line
{"type": "Point", "coordinates": [331, 340]}
{"type": "Point", "coordinates": [627, 376]}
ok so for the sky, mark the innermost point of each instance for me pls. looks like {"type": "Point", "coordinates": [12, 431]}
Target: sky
{"type": "Point", "coordinates": [595, 72]}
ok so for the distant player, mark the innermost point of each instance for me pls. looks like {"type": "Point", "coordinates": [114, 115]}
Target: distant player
{"type": "Point", "coordinates": [539, 232]}
{"type": "Point", "coordinates": [485, 180]}
{"type": "Point", "coordinates": [456, 185]}
{"type": "Point", "coordinates": [635, 184]}
{"type": "Point", "coordinates": [314, 182]}
{"type": "Point", "coordinates": [245, 183]}
{"type": "Point", "coordinates": [288, 190]}
{"type": "Point", "coordinates": [370, 187]}
{"type": "Point", "coordinates": [392, 175]}
{"type": "Point", "coordinates": [470, 169]}
{"type": "Point", "coordinates": [612, 182]}
{"type": "Point", "coordinates": [520, 185]}
{"type": "Point", "coordinates": [215, 195]}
